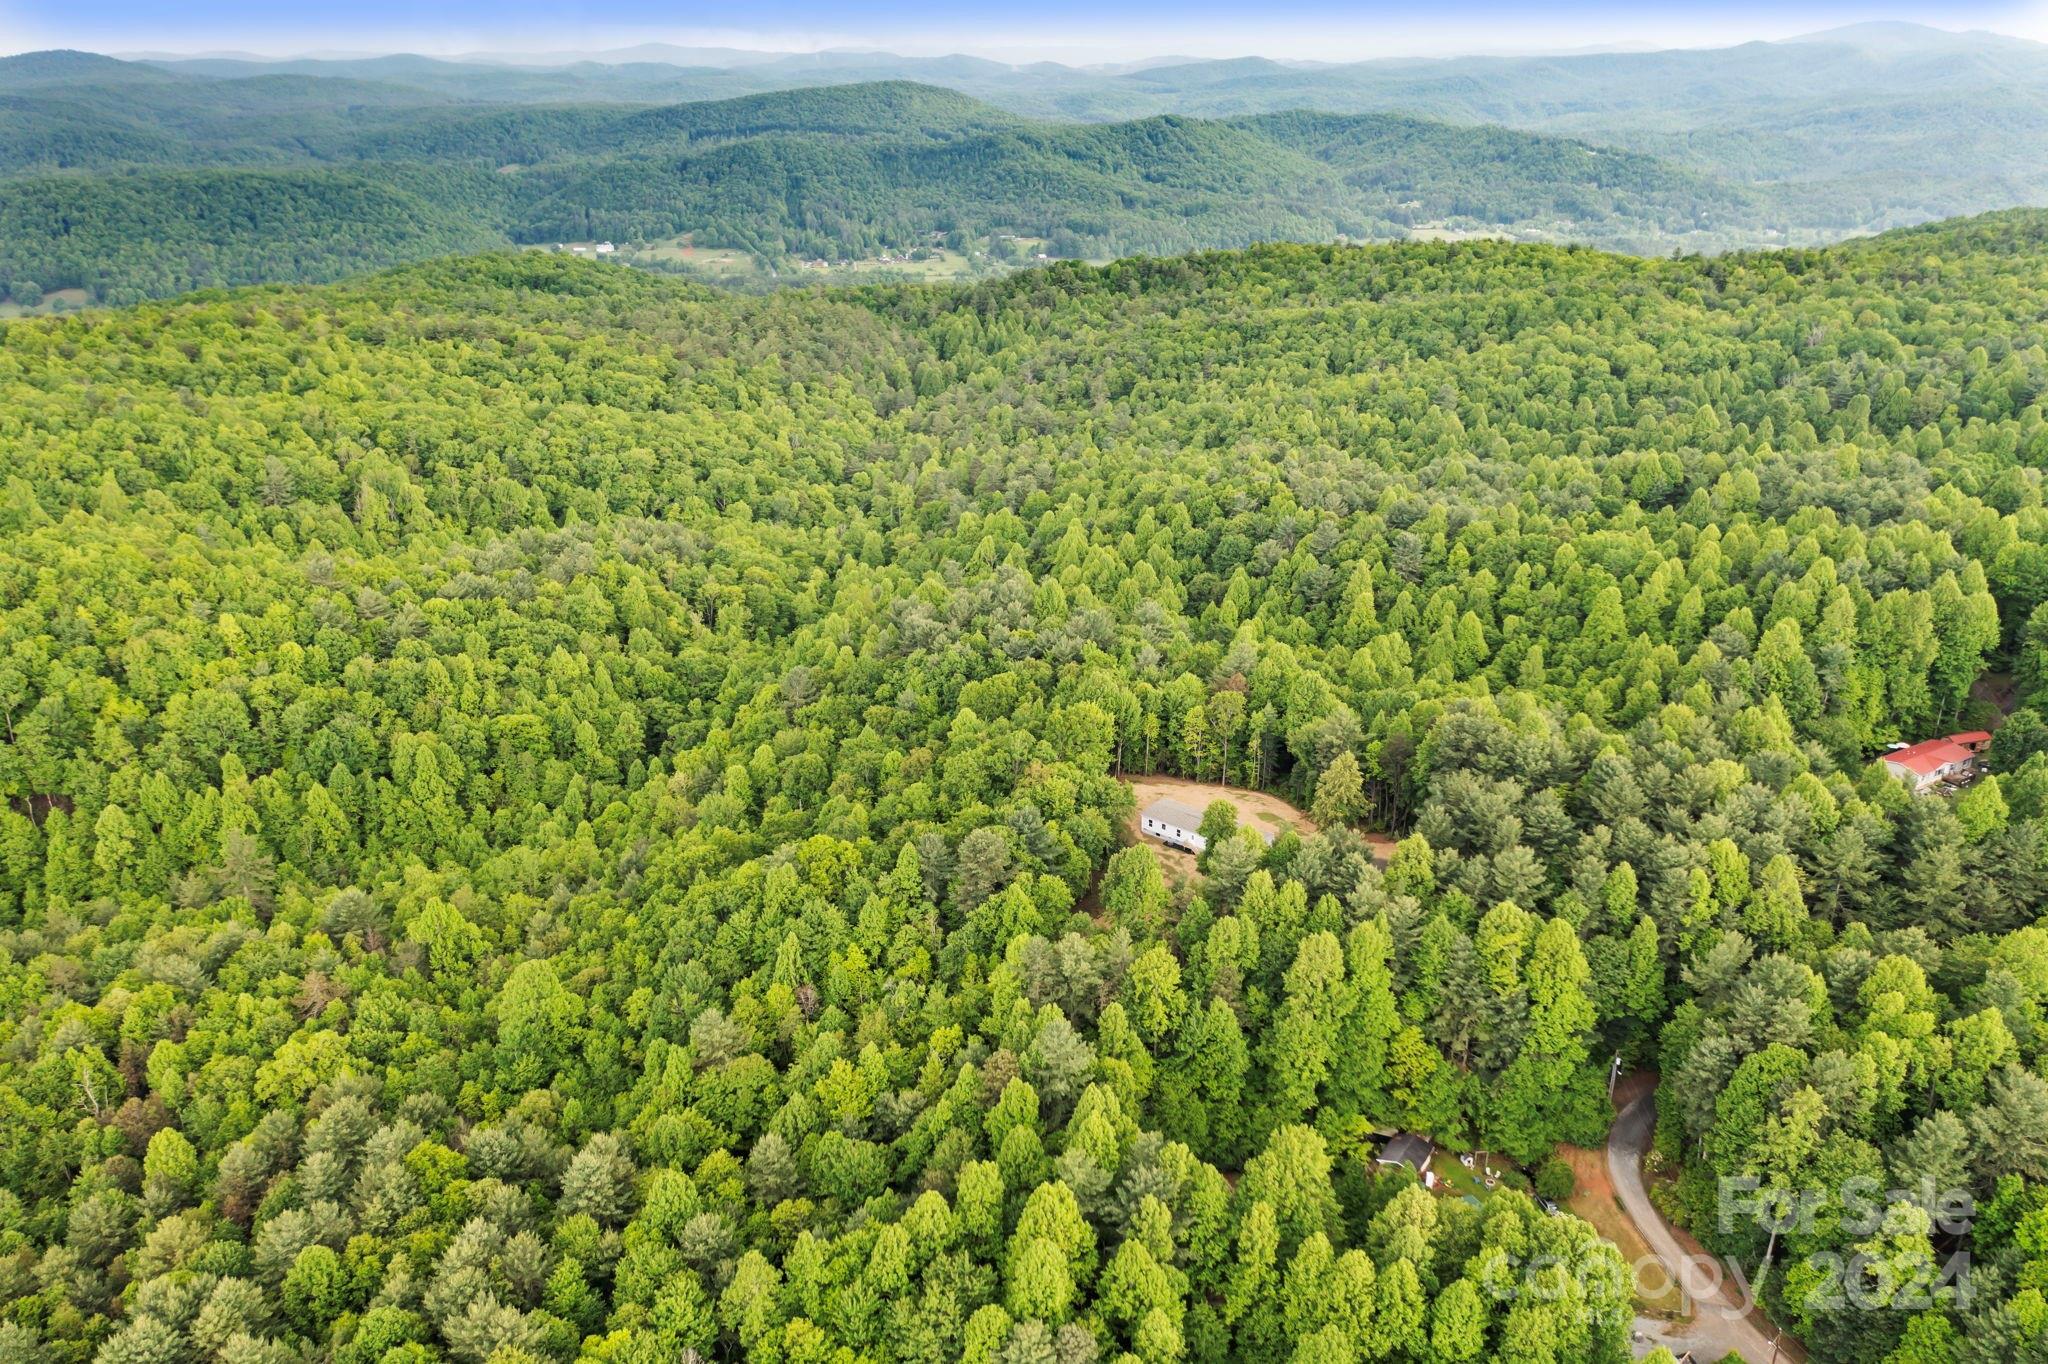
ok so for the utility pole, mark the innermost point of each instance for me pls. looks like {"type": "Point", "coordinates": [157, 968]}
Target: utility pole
{"type": "Point", "coordinates": [1613, 1076]}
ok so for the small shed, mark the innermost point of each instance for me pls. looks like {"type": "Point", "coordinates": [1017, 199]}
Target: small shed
{"type": "Point", "coordinates": [1172, 821]}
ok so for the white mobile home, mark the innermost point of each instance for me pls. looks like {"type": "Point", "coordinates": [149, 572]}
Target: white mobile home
{"type": "Point", "coordinates": [1170, 821]}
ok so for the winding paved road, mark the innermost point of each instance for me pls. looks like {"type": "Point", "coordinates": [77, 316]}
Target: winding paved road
{"type": "Point", "coordinates": [1720, 1323]}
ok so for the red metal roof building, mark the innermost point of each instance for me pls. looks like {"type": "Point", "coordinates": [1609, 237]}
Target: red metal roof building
{"type": "Point", "coordinates": [1934, 760]}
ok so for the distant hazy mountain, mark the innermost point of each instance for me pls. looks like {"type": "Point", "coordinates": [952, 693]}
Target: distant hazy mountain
{"type": "Point", "coordinates": [1891, 36]}
{"type": "Point", "coordinates": [1854, 128]}
{"type": "Point", "coordinates": [1860, 127]}
{"type": "Point", "coordinates": [668, 53]}
{"type": "Point", "coordinates": [61, 67]}
{"type": "Point", "coordinates": [833, 153]}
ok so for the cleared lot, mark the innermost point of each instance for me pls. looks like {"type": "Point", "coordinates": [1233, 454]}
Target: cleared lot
{"type": "Point", "coordinates": [1255, 809]}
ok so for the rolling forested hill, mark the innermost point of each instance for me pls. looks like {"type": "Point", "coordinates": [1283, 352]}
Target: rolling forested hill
{"type": "Point", "coordinates": [140, 234]}
{"type": "Point", "coordinates": [1157, 186]}
{"type": "Point", "coordinates": [263, 122]}
{"type": "Point", "coordinates": [1857, 128]}
{"type": "Point", "coordinates": [553, 814]}
{"type": "Point", "coordinates": [848, 170]}
{"type": "Point", "coordinates": [841, 156]}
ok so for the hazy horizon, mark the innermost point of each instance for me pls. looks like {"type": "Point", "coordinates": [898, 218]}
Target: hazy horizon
{"type": "Point", "coordinates": [1063, 30]}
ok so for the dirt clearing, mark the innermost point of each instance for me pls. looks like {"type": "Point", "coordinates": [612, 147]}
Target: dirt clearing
{"type": "Point", "coordinates": [1255, 809]}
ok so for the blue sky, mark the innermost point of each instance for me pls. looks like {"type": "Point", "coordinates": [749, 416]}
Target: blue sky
{"type": "Point", "coordinates": [1075, 30]}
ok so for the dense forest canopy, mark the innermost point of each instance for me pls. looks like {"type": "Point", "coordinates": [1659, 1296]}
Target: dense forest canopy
{"type": "Point", "coordinates": [552, 814]}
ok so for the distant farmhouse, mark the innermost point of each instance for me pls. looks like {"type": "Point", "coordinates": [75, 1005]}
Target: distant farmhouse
{"type": "Point", "coordinates": [1931, 762]}
{"type": "Point", "coordinates": [1175, 822]}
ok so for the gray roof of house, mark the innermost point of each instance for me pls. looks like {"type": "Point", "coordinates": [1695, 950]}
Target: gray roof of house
{"type": "Point", "coordinates": [1167, 810]}
{"type": "Point", "coordinates": [1406, 1149]}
